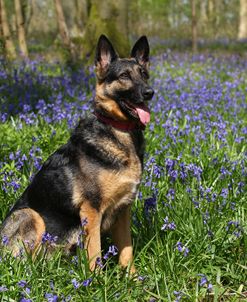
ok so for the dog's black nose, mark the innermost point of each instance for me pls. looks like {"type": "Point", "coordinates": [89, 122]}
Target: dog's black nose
{"type": "Point", "coordinates": [148, 94]}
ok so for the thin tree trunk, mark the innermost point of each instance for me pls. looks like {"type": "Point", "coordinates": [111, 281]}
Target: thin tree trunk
{"type": "Point", "coordinates": [21, 29]}
{"type": "Point", "coordinates": [194, 26]}
{"type": "Point", "coordinates": [203, 17]}
{"type": "Point", "coordinates": [63, 29]}
{"type": "Point", "coordinates": [81, 16]}
{"type": "Point", "coordinates": [8, 43]}
{"type": "Point", "coordinates": [242, 29]}
{"type": "Point", "coordinates": [28, 14]}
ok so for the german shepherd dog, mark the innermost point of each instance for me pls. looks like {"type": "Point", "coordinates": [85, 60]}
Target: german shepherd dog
{"type": "Point", "coordinates": [94, 177]}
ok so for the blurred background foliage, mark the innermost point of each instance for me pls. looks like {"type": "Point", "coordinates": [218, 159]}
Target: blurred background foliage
{"type": "Point", "coordinates": [69, 29]}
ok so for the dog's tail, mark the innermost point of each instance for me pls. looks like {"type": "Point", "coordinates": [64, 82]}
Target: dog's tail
{"type": "Point", "coordinates": [22, 229]}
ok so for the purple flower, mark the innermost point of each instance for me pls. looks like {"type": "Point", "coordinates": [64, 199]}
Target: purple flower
{"type": "Point", "coordinates": [141, 278]}
{"type": "Point", "coordinates": [75, 283]}
{"type": "Point", "coordinates": [74, 260]}
{"type": "Point", "coordinates": [204, 282]}
{"type": "Point", "coordinates": [5, 240]}
{"type": "Point", "coordinates": [66, 299]}
{"type": "Point", "coordinates": [48, 238]}
{"type": "Point", "coordinates": [224, 193]}
{"type": "Point", "coordinates": [168, 225]}
{"type": "Point", "coordinates": [170, 194]}
{"type": "Point", "coordinates": [170, 163]}
{"type": "Point", "coordinates": [186, 251]}
{"type": "Point", "coordinates": [235, 227]}
{"type": "Point", "coordinates": [84, 222]}
{"type": "Point", "coordinates": [87, 282]}
{"type": "Point", "coordinates": [51, 297]}
{"type": "Point", "coordinates": [14, 185]}
{"type": "Point", "coordinates": [112, 251]}
{"type": "Point", "coordinates": [3, 288]}
{"type": "Point", "coordinates": [178, 295]}
{"type": "Point", "coordinates": [80, 239]}
{"type": "Point", "coordinates": [157, 171]}
{"type": "Point", "coordinates": [99, 262]}
{"type": "Point", "coordinates": [22, 283]}
{"type": "Point", "coordinates": [179, 246]}
{"type": "Point", "coordinates": [27, 290]}
{"type": "Point", "coordinates": [182, 248]}
{"type": "Point", "coordinates": [150, 205]}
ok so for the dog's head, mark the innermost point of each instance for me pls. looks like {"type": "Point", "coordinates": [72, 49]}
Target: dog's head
{"type": "Point", "coordinates": [122, 89]}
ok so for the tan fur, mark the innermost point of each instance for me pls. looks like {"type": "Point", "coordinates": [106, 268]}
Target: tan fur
{"type": "Point", "coordinates": [92, 232]}
{"type": "Point", "coordinates": [24, 228]}
{"type": "Point", "coordinates": [110, 107]}
{"type": "Point", "coordinates": [119, 187]}
{"type": "Point", "coordinates": [117, 191]}
{"type": "Point", "coordinates": [77, 197]}
{"type": "Point", "coordinates": [122, 239]}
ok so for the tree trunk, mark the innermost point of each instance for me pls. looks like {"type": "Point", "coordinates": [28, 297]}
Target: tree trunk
{"type": "Point", "coordinates": [63, 30]}
{"type": "Point", "coordinates": [109, 17]}
{"type": "Point", "coordinates": [242, 29]}
{"type": "Point", "coordinates": [28, 13]}
{"type": "Point", "coordinates": [203, 18]}
{"type": "Point", "coordinates": [8, 43]}
{"type": "Point", "coordinates": [194, 26]}
{"type": "Point", "coordinates": [81, 16]}
{"type": "Point", "coordinates": [21, 29]}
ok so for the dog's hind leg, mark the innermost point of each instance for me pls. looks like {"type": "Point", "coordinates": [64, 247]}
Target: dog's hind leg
{"type": "Point", "coordinates": [23, 228]}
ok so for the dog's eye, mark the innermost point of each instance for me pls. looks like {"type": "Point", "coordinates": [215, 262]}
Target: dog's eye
{"type": "Point", "coordinates": [124, 75]}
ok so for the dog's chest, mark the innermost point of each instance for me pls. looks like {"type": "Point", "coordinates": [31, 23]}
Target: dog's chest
{"type": "Point", "coordinates": [119, 187]}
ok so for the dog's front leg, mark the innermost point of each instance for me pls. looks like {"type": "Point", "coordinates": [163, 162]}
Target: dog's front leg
{"type": "Point", "coordinates": [91, 221]}
{"type": "Point", "coordinates": [121, 235]}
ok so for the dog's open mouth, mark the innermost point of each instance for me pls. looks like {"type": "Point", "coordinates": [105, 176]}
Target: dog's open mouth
{"type": "Point", "coordinates": [140, 111]}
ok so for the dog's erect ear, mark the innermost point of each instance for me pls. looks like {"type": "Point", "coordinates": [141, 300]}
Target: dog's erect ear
{"type": "Point", "coordinates": [105, 55]}
{"type": "Point", "coordinates": [140, 51]}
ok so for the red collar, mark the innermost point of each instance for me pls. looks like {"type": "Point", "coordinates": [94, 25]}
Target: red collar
{"type": "Point", "coordinates": [121, 125]}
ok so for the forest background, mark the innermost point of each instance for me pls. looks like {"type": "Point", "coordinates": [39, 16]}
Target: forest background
{"type": "Point", "coordinates": [55, 28]}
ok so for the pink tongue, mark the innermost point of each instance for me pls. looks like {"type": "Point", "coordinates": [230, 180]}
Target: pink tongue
{"type": "Point", "coordinates": [143, 113]}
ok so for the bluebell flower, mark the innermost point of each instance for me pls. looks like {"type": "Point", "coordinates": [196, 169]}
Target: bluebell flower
{"type": "Point", "coordinates": [112, 251]}
{"type": "Point", "coordinates": [84, 222]}
{"type": "Point", "coordinates": [5, 240]}
{"type": "Point", "coordinates": [182, 248]}
{"type": "Point", "coordinates": [75, 283]}
{"type": "Point", "coordinates": [51, 297]}
{"type": "Point", "coordinates": [168, 225]}
{"type": "Point", "coordinates": [99, 262]}
{"type": "Point", "coordinates": [224, 193]}
{"type": "Point", "coordinates": [22, 283]}
{"type": "Point", "coordinates": [178, 295]}
{"type": "Point", "coordinates": [204, 282]}
{"type": "Point", "coordinates": [48, 238]}
{"type": "Point", "coordinates": [3, 288]}
{"type": "Point", "coordinates": [150, 205]}
{"type": "Point", "coordinates": [142, 278]}
{"type": "Point", "coordinates": [87, 282]}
